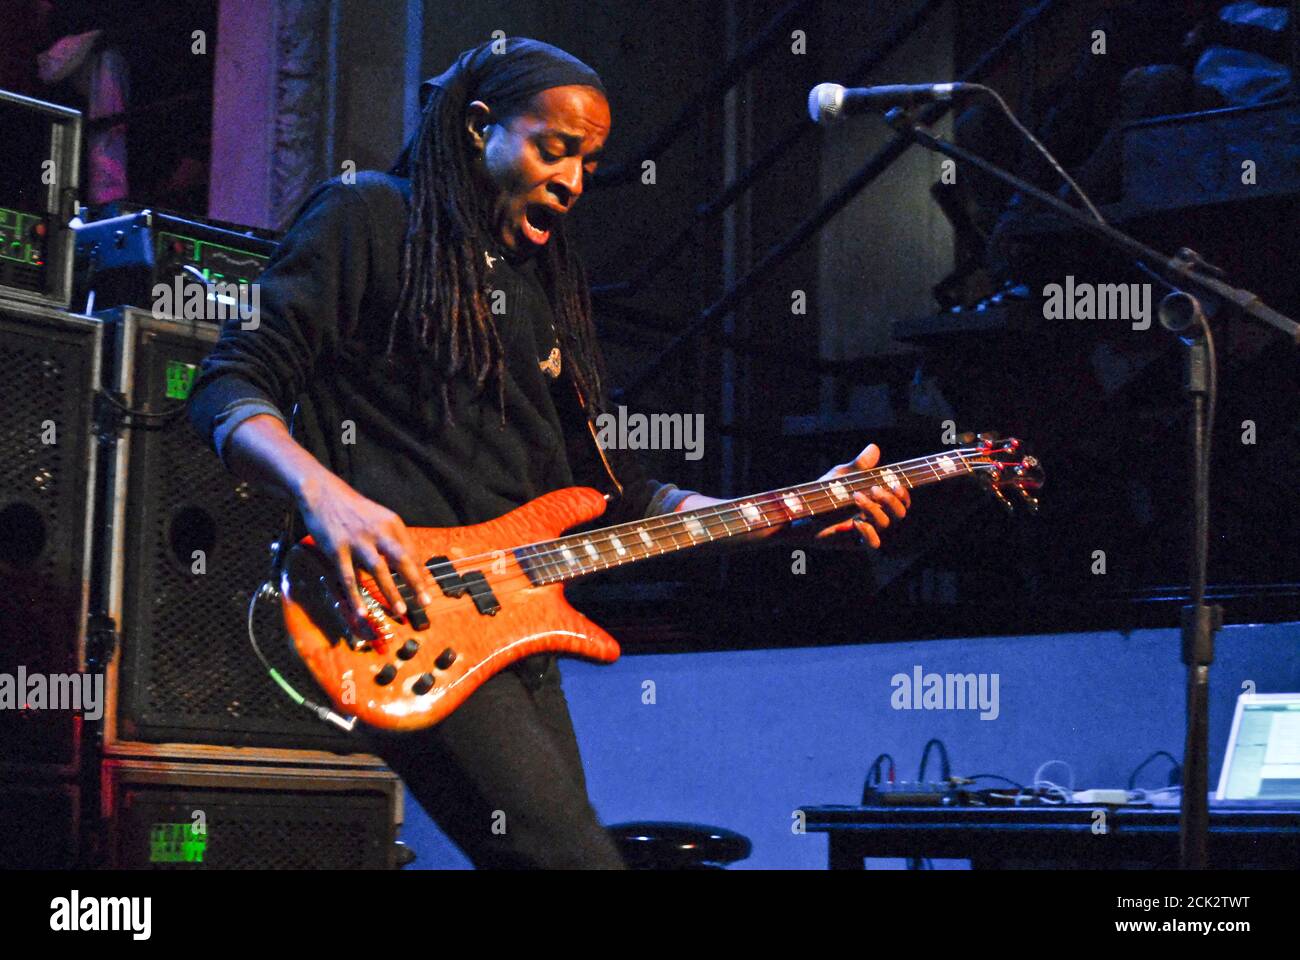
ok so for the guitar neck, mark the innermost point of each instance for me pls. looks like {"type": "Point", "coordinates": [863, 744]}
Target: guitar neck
{"type": "Point", "coordinates": [567, 558]}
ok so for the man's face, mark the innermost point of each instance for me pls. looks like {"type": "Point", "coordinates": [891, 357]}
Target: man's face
{"type": "Point", "coordinates": [535, 161]}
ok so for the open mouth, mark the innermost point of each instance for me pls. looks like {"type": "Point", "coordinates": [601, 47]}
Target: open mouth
{"type": "Point", "coordinates": [538, 222]}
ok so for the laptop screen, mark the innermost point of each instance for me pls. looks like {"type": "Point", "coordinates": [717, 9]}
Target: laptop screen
{"type": "Point", "coordinates": [1263, 758]}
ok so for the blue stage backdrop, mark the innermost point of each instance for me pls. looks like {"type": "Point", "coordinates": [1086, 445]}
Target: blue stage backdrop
{"type": "Point", "coordinates": [741, 740]}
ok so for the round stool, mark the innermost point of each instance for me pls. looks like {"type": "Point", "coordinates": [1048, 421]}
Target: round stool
{"type": "Point", "coordinates": [655, 845]}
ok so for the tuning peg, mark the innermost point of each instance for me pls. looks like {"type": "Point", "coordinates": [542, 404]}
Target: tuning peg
{"type": "Point", "coordinates": [1030, 501]}
{"type": "Point", "coordinates": [1001, 497]}
{"type": "Point", "coordinates": [1029, 473]}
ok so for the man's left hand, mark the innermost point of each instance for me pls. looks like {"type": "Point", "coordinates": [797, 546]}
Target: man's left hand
{"type": "Point", "coordinates": [877, 507]}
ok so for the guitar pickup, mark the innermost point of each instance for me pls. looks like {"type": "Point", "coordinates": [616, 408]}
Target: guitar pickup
{"type": "Point", "coordinates": [445, 575]}
{"type": "Point", "coordinates": [481, 593]}
{"type": "Point", "coordinates": [455, 584]}
{"type": "Point", "coordinates": [415, 614]}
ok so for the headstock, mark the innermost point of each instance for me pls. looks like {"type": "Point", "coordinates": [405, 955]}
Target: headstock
{"type": "Point", "coordinates": [1002, 467]}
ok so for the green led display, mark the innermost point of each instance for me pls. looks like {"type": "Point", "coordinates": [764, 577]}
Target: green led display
{"type": "Point", "coordinates": [177, 843]}
{"type": "Point", "coordinates": [15, 233]}
{"type": "Point", "coordinates": [180, 379]}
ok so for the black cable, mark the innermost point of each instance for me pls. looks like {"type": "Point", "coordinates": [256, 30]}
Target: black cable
{"type": "Point", "coordinates": [1038, 145]}
{"type": "Point", "coordinates": [1060, 170]}
{"type": "Point", "coordinates": [995, 776]}
{"type": "Point", "coordinates": [875, 771]}
{"type": "Point", "coordinates": [1178, 767]}
{"type": "Point", "coordinates": [165, 417]}
{"type": "Point", "coordinates": [945, 768]}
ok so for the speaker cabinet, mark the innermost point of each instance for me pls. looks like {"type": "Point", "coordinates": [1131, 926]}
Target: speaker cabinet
{"type": "Point", "coordinates": [195, 816]}
{"type": "Point", "coordinates": [190, 547]}
{"type": "Point", "coordinates": [51, 367]}
{"type": "Point", "coordinates": [38, 826]}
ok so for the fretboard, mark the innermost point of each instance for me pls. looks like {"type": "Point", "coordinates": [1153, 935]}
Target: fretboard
{"type": "Point", "coordinates": [567, 558]}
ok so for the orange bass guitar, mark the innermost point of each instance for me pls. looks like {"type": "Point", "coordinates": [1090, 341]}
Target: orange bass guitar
{"type": "Point", "coordinates": [502, 584]}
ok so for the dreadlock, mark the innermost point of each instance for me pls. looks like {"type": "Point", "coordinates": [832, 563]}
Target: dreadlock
{"type": "Point", "coordinates": [442, 308]}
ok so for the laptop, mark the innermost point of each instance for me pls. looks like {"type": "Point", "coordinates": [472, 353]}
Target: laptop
{"type": "Point", "coordinates": [1263, 757]}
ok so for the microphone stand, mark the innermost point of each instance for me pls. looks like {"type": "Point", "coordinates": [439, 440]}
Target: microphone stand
{"type": "Point", "coordinates": [1199, 620]}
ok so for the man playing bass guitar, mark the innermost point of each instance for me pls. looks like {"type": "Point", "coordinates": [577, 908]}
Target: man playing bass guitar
{"type": "Point", "coordinates": [422, 407]}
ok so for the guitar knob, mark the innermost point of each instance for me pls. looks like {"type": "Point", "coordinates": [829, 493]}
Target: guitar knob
{"type": "Point", "coordinates": [386, 675]}
{"type": "Point", "coordinates": [423, 685]}
{"type": "Point", "coordinates": [445, 659]}
{"type": "Point", "coordinates": [409, 649]}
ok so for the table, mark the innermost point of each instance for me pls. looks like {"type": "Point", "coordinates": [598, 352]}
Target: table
{"type": "Point", "coordinates": [1073, 837]}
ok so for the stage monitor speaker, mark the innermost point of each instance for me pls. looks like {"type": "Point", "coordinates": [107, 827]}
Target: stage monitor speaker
{"type": "Point", "coordinates": [196, 816]}
{"type": "Point", "coordinates": [191, 546]}
{"type": "Point", "coordinates": [49, 369]}
{"type": "Point", "coordinates": [38, 826]}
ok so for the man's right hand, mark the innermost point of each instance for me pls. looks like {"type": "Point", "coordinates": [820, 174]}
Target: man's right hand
{"type": "Point", "coordinates": [356, 533]}
{"type": "Point", "coordinates": [353, 532]}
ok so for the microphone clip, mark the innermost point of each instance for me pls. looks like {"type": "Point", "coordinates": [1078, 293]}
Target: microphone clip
{"type": "Point", "coordinates": [903, 119]}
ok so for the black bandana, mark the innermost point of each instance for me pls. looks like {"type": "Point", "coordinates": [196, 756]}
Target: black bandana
{"type": "Point", "coordinates": [503, 74]}
{"type": "Point", "coordinates": [507, 72]}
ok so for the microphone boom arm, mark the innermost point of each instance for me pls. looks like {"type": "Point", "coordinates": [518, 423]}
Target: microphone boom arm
{"type": "Point", "coordinates": [1181, 269]}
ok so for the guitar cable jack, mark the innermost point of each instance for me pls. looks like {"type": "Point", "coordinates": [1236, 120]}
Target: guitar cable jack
{"type": "Point", "coordinates": [269, 591]}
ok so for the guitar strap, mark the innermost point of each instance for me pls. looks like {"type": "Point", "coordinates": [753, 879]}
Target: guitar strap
{"type": "Point", "coordinates": [591, 428]}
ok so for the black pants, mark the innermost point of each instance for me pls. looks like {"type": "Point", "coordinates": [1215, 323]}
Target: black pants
{"type": "Point", "coordinates": [503, 778]}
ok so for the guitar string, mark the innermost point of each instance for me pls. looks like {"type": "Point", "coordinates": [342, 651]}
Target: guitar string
{"type": "Point", "coordinates": [919, 466]}
{"type": "Point", "coordinates": [922, 467]}
{"type": "Point", "coordinates": [656, 526]}
{"type": "Point", "coordinates": [719, 511]}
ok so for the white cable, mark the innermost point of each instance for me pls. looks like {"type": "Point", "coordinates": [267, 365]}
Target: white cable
{"type": "Point", "coordinates": [1066, 792]}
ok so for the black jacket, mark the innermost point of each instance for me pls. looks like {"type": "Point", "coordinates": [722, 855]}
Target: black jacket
{"type": "Point", "coordinates": [326, 300]}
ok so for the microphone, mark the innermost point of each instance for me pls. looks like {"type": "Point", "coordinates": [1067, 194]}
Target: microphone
{"type": "Point", "coordinates": [828, 102]}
